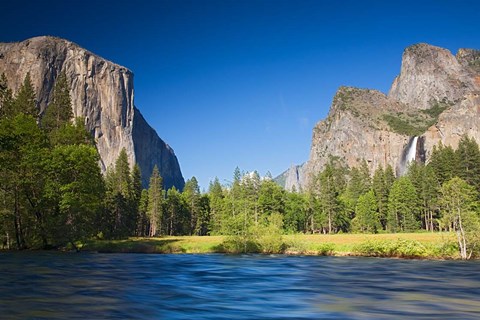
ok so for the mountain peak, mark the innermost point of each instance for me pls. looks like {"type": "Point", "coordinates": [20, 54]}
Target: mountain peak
{"type": "Point", "coordinates": [102, 93]}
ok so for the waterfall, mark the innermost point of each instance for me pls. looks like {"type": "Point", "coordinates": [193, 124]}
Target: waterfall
{"type": "Point", "coordinates": [412, 151]}
{"type": "Point", "coordinates": [409, 154]}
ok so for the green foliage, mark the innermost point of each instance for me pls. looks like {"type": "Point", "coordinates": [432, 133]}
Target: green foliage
{"type": "Point", "coordinates": [401, 248]}
{"type": "Point", "coordinates": [176, 217]}
{"type": "Point", "coordinates": [25, 100]}
{"type": "Point", "coordinates": [79, 191]}
{"type": "Point", "coordinates": [121, 199]}
{"type": "Point", "coordinates": [468, 161]}
{"type": "Point", "coordinates": [402, 208]}
{"type": "Point", "coordinates": [296, 212]}
{"type": "Point", "coordinates": [366, 219]}
{"type": "Point", "coordinates": [192, 197]}
{"type": "Point", "coordinates": [71, 133]}
{"type": "Point", "coordinates": [216, 202]}
{"type": "Point", "coordinates": [414, 123]}
{"type": "Point", "coordinates": [268, 235]}
{"type": "Point", "coordinates": [437, 109]}
{"type": "Point", "coordinates": [381, 184]}
{"type": "Point", "coordinates": [325, 249]}
{"type": "Point", "coordinates": [59, 111]}
{"type": "Point", "coordinates": [425, 182]}
{"type": "Point", "coordinates": [403, 126]}
{"type": "Point", "coordinates": [155, 202]}
{"type": "Point", "coordinates": [327, 187]}
{"type": "Point", "coordinates": [6, 98]}
{"type": "Point", "coordinates": [460, 206]}
{"type": "Point", "coordinates": [443, 162]}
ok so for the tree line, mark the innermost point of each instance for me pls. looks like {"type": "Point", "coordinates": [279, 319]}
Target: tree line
{"type": "Point", "coordinates": [52, 192]}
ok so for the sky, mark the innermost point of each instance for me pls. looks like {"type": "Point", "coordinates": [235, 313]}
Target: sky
{"type": "Point", "coordinates": [242, 83]}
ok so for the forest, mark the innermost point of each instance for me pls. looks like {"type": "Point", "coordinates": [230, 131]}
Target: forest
{"type": "Point", "coordinates": [53, 193]}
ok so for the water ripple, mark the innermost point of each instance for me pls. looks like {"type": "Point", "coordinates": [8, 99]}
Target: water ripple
{"type": "Point", "coordinates": [47, 285]}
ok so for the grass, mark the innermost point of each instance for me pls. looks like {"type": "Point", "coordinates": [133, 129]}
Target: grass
{"type": "Point", "coordinates": [403, 245]}
{"type": "Point", "coordinates": [415, 123]}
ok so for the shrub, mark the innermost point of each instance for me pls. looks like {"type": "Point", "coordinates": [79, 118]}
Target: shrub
{"type": "Point", "coordinates": [325, 249]}
{"type": "Point", "coordinates": [401, 248]}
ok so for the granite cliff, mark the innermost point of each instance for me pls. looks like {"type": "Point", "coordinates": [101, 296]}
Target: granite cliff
{"type": "Point", "coordinates": [436, 98]}
{"type": "Point", "coordinates": [102, 92]}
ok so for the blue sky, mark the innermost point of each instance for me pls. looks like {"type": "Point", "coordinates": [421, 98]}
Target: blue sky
{"type": "Point", "coordinates": [242, 83]}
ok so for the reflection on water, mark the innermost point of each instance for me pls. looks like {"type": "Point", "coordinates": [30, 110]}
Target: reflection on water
{"type": "Point", "coordinates": [44, 285]}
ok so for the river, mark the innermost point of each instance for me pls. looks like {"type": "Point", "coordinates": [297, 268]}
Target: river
{"type": "Point", "coordinates": [49, 285]}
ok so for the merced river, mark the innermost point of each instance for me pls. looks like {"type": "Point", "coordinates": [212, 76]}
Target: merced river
{"type": "Point", "coordinates": [51, 285]}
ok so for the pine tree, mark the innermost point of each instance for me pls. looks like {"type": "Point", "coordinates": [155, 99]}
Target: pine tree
{"type": "Point", "coordinates": [366, 219]}
{"type": "Point", "coordinates": [468, 157]}
{"type": "Point", "coordinates": [143, 221]}
{"type": "Point", "coordinates": [444, 163]}
{"type": "Point", "coordinates": [425, 183]}
{"type": "Point", "coordinates": [270, 198]}
{"type": "Point", "coordinates": [176, 216]}
{"type": "Point", "coordinates": [328, 186]}
{"type": "Point", "coordinates": [6, 98]}
{"type": "Point", "coordinates": [155, 202]}
{"type": "Point", "coordinates": [119, 197]}
{"type": "Point", "coordinates": [25, 100]}
{"type": "Point", "coordinates": [459, 207]}
{"type": "Point", "coordinates": [401, 206]}
{"type": "Point", "coordinates": [59, 110]}
{"type": "Point", "coordinates": [296, 212]}
{"type": "Point", "coordinates": [191, 194]}
{"type": "Point", "coordinates": [135, 199]}
{"type": "Point", "coordinates": [217, 208]}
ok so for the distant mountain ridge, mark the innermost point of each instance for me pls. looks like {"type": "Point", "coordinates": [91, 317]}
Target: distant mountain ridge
{"type": "Point", "coordinates": [102, 92]}
{"type": "Point", "coordinates": [436, 97]}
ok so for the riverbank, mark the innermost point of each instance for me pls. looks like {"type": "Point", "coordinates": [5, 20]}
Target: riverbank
{"type": "Point", "coordinates": [401, 245]}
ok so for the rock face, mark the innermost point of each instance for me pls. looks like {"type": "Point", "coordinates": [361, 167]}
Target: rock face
{"type": "Point", "coordinates": [102, 93]}
{"type": "Point", "coordinates": [436, 97]}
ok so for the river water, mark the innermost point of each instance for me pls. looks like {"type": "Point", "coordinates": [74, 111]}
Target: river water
{"type": "Point", "coordinates": [47, 285]}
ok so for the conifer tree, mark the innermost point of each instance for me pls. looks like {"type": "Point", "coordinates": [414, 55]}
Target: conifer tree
{"type": "Point", "coordinates": [155, 202]}
{"type": "Point", "coordinates": [459, 205]}
{"type": "Point", "coordinates": [401, 206]}
{"type": "Point", "coordinates": [366, 218]}
{"type": "Point", "coordinates": [329, 184]}
{"type": "Point", "coordinates": [59, 110]}
{"type": "Point", "coordinates": [468, 157]}
{"type": "Point", "coordinates": [6, 98]}
{"type": "Point", "coordinates": [142, 220]}
{"type": "Point", "coordinates": [25, 100]}
{"type": "Point", "coordinates": [191, 194]}
{"type": "Point", "coordinates": [425, 183]}
{"type": "Point", "coordinates": [444, 163]}
{"type": "Point", "coordinates": [119, 197]}
{"type": "Point", "coordinates": [216, 200]}
{"type": "Point", "coordinates": [176, 216]}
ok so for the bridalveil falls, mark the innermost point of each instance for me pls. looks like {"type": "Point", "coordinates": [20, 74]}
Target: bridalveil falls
{"type": "Point", "coordinates": [409, 154]}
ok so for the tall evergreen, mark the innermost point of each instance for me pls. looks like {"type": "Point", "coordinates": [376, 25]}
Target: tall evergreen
{"type": "Point", "coordinates": [425, 182]}
{"type": "Point", "coordinates": [468, 157]}
{"type": "Point", "coordinates": [444, 163]}
{"type": "Point", "coordinates": [328, 186]}
{"type": "Point", "coordinates": [217, 208]}
{"type": "Point", "coordinates": [155, 202]}
{"type": "Point", "coordinates": [401, 206]}
{"type": "Point", "coordinates": [366, 219]}
{"type": "Point", "coordinates": [143, 228]}
{"type": "Point", "coordinates": [460, 213]}
{"type": "Point", "coordinates": [119, 197]}
{"type": "Point", "coordinates": [191, 194]}
{"type": "Point", "coordinates": [6, 98]}
{"type": "Point", "coordinates": [59, 110]}
{"type": "Point", "coordinates": [176, 220]}
{"type": "Point", "coordinates": [25, 100]}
